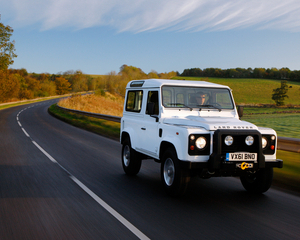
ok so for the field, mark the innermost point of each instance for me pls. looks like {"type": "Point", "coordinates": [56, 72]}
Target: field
{"type": "Point", "coordinates": [254, 91]}
{"type": "Point", "coordinates": [106, 103]}
{"type": "Point", "coordinates": [286, 125]}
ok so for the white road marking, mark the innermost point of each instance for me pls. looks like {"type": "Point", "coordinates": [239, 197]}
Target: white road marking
{"type": "Point", "coordinates": [25, 132]}
{"type": "Point", "coordinates": [113, 212]}
{"type": "Point", "coordinates": [43, 151]}
{"type": "Point", "coordinates": [108, 208]}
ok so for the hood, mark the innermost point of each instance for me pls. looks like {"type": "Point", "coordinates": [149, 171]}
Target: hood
{"type": "Point", "coordinates": [209, 123]}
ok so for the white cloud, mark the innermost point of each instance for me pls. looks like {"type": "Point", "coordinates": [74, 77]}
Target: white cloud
{"type": "Point", "coordinates": [145, 15]}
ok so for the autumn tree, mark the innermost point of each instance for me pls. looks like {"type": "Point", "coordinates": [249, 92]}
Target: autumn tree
{"type": "Point", "coordinates": [153, 74]}
{"type": "Point", "coordinates": [9, 86]}
{"type": "Point", "coordinates": [79, 81]}
{"type": "Point", "coordinates": [48, 88]}
{"type": "Point", "coordinates": [279, 94]}
{"type": "Point", "coordinates": [7, 47]}
{"type": "Point", "coordinates": [62, 85]}
{"type": "Point", "coordinates": [131, 73]}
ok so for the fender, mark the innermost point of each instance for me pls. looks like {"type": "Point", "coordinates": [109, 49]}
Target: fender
{"type": "Point", "coordinates": [132, 134]}
{"type": "Point", "coordinates": [178, 144]}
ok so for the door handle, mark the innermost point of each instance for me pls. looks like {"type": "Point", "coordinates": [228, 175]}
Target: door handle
{"type": "Point", "coordinates": [143, 128]}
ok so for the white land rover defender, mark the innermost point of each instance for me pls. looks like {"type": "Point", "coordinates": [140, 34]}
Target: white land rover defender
{"type": "Point", "coordinates": [193, 128]}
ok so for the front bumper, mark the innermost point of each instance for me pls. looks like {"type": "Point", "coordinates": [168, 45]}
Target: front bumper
{"type": "Point", "coordinates": [227, 166]}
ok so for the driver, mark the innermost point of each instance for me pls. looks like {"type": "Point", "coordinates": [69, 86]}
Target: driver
{"type": "Point", "coordinates": [200, 98]}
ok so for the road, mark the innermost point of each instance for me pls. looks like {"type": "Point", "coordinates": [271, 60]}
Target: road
{"type": "Point", "coordinates": [61, 182]}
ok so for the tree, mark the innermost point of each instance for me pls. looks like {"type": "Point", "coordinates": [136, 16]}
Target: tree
{"type": "Point", "coordinates": [48, 88]}
{"type": "Point", "coordinates": [7, 47]}
{"type": "Point", "coordinates": [62, 85]}
{"type": "Point", "coordinates": [131, 73]}
{"type": "Point", "coordinates": [153, 74]}
{"type": "Point", "coordinates": [9, 86]}
{"type": "Point", "coordinates": [279, 94]}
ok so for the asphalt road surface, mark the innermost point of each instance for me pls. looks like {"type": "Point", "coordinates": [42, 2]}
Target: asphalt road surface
{"type": "Point", "coordinates": [61, 182]}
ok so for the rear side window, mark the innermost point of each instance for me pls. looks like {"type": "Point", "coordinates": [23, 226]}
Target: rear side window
{"type": "Point", "coordinates": [134, 101]}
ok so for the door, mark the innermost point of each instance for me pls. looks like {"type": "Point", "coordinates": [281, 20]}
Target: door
{"type": "Point", "coordinates": [150, 128]}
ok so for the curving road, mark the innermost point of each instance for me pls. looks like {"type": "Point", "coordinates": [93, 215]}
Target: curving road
{"type": "Point", "coordinates": [61, 182]}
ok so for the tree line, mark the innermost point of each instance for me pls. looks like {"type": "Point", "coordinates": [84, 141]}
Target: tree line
{"type": "Point", "coordinates": [18, 84]}
{"type": "Point", "coordinates": [116, 82]}
{"type": "Point", "coordinates": [269, 73]}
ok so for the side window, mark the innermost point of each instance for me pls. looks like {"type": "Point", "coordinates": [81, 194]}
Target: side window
{"type": "Point", "coordinates": [152, 103]}
{"type": "Point", "coordinates": [134, 101]}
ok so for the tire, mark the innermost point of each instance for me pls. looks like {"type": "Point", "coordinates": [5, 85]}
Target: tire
{"type": "Point", "coordinates": [174, 179]}
{"type": "Point", "coordinates": [258, 182]}
{"type": "Point", "coordinates": [131, 160]}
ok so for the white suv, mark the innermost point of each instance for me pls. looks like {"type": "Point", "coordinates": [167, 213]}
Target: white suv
{"type": "Point", "coordinates": [193, 128]}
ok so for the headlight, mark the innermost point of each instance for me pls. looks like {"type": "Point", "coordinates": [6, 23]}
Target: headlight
{"type": "Point", "coordinates": [264, 142]}
{"type": "Point", "coordinates": [201, 142]}
{"type": "Point", "coordinates": [249, 140]}
{"type": "Point", "coordinates": [228, 140]}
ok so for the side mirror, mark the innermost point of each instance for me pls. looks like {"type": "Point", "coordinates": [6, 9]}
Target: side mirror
{"type": "Point", "coordinates": [240, 111]}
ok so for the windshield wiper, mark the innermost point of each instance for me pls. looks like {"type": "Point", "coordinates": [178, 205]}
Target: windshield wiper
{"type": "Point", "coordinates": [179, 104]}
{"type": "Point", "coordinates": [209, 106]}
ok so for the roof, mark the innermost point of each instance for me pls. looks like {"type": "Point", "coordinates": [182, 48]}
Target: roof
{"type": "Point", "coordinates": [156, 83]}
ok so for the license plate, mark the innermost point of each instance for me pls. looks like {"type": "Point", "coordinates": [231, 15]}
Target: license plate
{"type": "Point", "coordinates": [241, 157]}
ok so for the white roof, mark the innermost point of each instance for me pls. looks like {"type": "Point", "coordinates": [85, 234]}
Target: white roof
{"type": "Point", "coordinates": [155, 83]}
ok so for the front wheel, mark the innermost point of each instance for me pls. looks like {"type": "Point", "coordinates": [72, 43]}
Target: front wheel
{"type": "Point", "coordinates": [174, 179]}
{"type": "Point", "coordinates": [258, 182]}
{"type": "Point", "coordinates": [131, 160]}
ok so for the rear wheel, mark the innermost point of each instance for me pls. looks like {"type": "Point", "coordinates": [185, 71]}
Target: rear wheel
{"type": "Point", "coordinates": [131, 160]}
{"type": "Point", "coordinates": [258, 182]}
{"type": "Point", "coordinates": [174, 179]}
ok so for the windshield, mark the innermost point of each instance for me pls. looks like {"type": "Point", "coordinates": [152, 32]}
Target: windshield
{"type": "Point", "coordinates": [196, 97]}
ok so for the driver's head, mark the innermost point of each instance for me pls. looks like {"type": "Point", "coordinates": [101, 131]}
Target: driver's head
{"type": "Point", "coordinates": [200, 98]}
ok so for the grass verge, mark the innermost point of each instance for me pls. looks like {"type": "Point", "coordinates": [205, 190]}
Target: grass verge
{"type": "Point", "coordinates": [102, 127]}
{"type": "Point", "coordinates": [18, 103]}
{"type": "Point", "coordinates": [287, 178]}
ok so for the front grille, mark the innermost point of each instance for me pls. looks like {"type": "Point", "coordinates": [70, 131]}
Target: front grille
{"type": "Point", "coordinates": [220, 149]}
{"type": "Point", "coordinates": [239, 144]}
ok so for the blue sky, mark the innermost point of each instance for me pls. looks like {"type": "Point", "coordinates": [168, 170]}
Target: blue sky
{"type": "Point", "coordinates": [99, 36]}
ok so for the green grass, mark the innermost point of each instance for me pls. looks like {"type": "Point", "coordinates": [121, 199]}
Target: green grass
{"type": "Point", "coordinates": [270, 110]}
{"type": "Point", "coordinates": [288, 177]}
{"type": "Point", "coordinates": [286, 125]}
{"type": "Point", "coordinates": [102, 127]}
{"type": "Point", "coordinates": [254, 91]}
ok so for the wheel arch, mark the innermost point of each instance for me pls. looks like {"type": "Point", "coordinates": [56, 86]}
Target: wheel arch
{"type": "Point", "coordinates": [164, 146]}
{"type": "Point", "coordinates": [125, 135]}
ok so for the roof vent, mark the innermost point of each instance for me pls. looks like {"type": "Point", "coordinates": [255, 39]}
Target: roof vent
{"type": "Point", "coordinates": [137, 84]}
